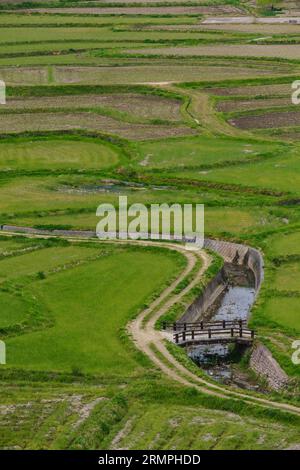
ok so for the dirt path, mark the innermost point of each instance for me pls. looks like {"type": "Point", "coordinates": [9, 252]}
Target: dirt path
{"type": "Point", "coordinates": [201, 111]}
{"type": "Point", "coordinates": [150, 341]}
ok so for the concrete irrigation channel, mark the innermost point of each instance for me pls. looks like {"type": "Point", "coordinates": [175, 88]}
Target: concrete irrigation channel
{"type": "Point", "coordinates": [142, 330]}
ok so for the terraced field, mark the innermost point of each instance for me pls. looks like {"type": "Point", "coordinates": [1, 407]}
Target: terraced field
{"type": "Point", "coordinates": [152, 102]}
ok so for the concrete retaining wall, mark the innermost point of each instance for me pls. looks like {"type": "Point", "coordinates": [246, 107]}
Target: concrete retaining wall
{"type": "Point", "coordinates": [245, 254]}
{"type": "Point", "coordinates": [230, 252]}
{"type": "Point", "coordinates": [213, 289]}
{"type": "Point", "coordinates": [263, 363]}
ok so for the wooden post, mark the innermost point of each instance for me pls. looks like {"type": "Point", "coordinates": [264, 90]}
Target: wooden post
{"type": "Point", "coordinates": [174, 326]}
{"type": "Point", "coordinates": [164, 325]}
{"type": "Point", "coordinates": [209, 333]}
{"type": "Point", "coordinates": [240, 323]}
{"type": "Point", "coordinates": [201, 325]}
{"type": "Point", "coordinates": [241, 332]}
{"type": "Point", "coordinates": [224, 324]}
{"type": "Point", "coordinates": [176, 338]}
{"type": "Point", "coordinates": [184, 326]}
{"type": "Point", "coordinates": [231, 332]}
{"type": "Point", "coordinates": [183, 336]}
{"type": "Point", "coordinates": [193, 334]}
{"type": "Point", "coordinates": [252, 334]}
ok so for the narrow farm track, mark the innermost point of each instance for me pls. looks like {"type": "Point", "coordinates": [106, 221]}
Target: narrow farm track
{"type": "Point", "coordinates": [152, 342]}
{"type": "Point", "coordinates": [201, 111]}
{"type": "Point", "coordinates": [145, 336]}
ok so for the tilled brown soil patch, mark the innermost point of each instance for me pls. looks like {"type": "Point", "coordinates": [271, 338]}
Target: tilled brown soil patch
{"type": "Point", "coordinates": [260, 90]}
{"type": "Point", "coordinates": [35, 122]}
{"type": "Point", "coordinates": [134, 74]}
{"type": "Point", "coordinates": [245, 105]}
{"type": "Point", "coordinates": [164, 10]}
{"type": "Point", "coordinates": [268, 120]}
{"type": "Point", "coordinates": [263, 29]}
{"type": "Point", "coordinates": [7, 2]}
{"type": "Point", "coordinates": [141, 106]}
{"type": "Point", "coordinates": [24, 75]}
{"type": "Point", "coordinates": [290, 134]}
{"type": "Point", "coordinates": [290, 51]}
{"type": "Point", "coordinates": [154, 73]}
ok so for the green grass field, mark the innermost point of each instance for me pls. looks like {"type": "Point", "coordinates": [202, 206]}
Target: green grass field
{"type": "Point", "coordinates": [57, 154]}
{"type": "Point", "coordinates": [279, 173]}
{"type": "Point", "coordinates": [285, 244]}
{"type": "Point", "coordinates": [130, 420]}
{"type": "Point", "coordinates": [89, 304]}
{"type": "Point", "coordinates": [285, 312]}
{"type": "Point", "coordinates": [13, 309]}
{"type": "Point", "coordinates": [288, 277]}
{"type": "Point", "coordinates": [47, 259]}
{"type": "Point", "coordinates": [217, 221]}
{"type": "Point", "coordinates": [200, 151]}
{"type": "Point", "coordinates": [181, 426]}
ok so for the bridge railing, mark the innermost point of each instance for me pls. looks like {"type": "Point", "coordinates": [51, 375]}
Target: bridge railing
{"type": "Point", "coordinates": [203, 325]}
{"type": "Point", "coordinates": [222, 333]}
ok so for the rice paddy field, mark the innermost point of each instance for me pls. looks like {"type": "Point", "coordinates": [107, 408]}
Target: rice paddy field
{"type": "Point", "coordinates": [164, 102]}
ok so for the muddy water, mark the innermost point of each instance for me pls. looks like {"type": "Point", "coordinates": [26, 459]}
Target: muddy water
{"type": "Point", "coordinates": [236, 304]}
{"type": "Point", "coordinates": [117, 187]}
{"type": "Point", "coordinates": [228, 374]}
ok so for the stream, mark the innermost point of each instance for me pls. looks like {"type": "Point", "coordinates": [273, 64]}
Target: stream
{"type": "Point", "coordinates": [108, 186]}
{"type": "Point", "coordinates": [236, 304]}
{"type": "Point", "coordinates": [219, 360]}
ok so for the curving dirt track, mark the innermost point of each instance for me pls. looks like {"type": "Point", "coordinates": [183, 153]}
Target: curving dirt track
{"type": "Point", "coordinates": [145, 336]}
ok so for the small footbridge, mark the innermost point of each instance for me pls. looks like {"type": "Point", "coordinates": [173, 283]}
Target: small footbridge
{"type": "Point", "coordinates": [217, 332]}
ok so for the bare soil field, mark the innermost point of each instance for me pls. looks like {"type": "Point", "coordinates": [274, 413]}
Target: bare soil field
{"type": "Point", "coordinates": [7, 2]}
{"type": "Point", "coordinates": [154, 73]}
{"type": "Point", "coordinates": [164, 10]}
{"type": "Point", "coordinates": [268, 120]}
{"type": "Point", "coordinates": [252, 19]}
{"type": "Point", "coordinates": [24, 75]}
{"type": "Point", "coordinates": [142, 106]}
{"type": "Point", "coordinates": [288, 133]}
{"type": "Point", "coordinates": [244, 105]}
{"type": "Point", "coordinates": [290, 51]}
{"type": "Point", "coordinates": [187, 2]}
{"type": "Point", "coordinates": [133, 74]}
{"type": "Point", "coordinates": [18, 123]}
{"type": "Point", "coordinates": [255, 90]}
{"type": "Point", "coordinates": [264, 29]}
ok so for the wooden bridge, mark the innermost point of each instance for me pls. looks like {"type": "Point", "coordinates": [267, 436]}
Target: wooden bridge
{"type": "Point", "coordinates": [213, 332]}
{"type": "Point", "coordinates": [214, 336]}
{"type": "Point", "coordinates": [203, 325]}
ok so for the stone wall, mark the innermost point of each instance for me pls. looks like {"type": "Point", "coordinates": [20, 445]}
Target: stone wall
{"type": "Point", "coordinates": [254, 261]}
{"type": "Point", "coordinates": [264, 364]}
